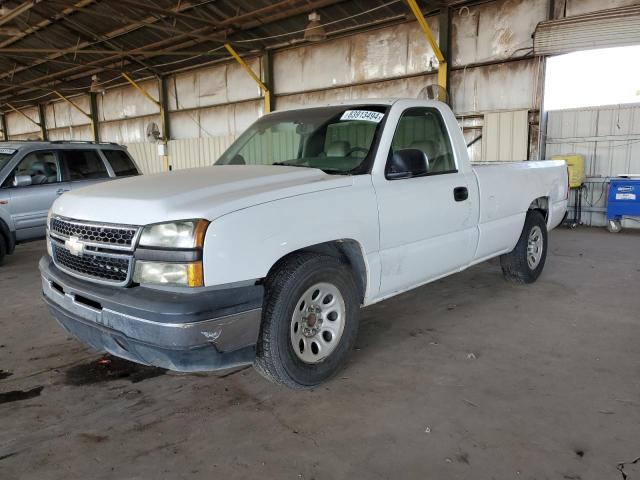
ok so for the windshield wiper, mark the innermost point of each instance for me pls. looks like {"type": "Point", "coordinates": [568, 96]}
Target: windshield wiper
{"type": "Point", "coordinates": [287, 164]}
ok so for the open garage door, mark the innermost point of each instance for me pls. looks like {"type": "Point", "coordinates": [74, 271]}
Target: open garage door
{"type": "Point", "coordinates": [617, 27]}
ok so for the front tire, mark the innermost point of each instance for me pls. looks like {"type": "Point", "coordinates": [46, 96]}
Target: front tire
{"type": "Point", "coordinates": [309, 320]}
{"type": "Point", "coordinates": [525, 263]}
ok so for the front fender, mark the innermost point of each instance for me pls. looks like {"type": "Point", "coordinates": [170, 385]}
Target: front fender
{"type": "Point", "coordinates": [244, 245]}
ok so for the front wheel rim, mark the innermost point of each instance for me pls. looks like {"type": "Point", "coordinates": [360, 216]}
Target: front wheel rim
{"type": "Point", "coordinates": [535, 246]}
{"type": "Point", "coordinates": [317, 323]}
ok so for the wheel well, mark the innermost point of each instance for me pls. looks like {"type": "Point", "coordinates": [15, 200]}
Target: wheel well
{"type": "Point", "coordinates": [542, 205]}
{"type": "Point", "coordinates": [346, 250]}
{"type": "Point", "coordinates": [5, 233]}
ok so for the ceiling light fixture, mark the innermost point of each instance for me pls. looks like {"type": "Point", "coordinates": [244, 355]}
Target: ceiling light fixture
{"type": "Point", "coordinates": [95, 85]}
{"type": "Point", "coordinates": [314, 31]}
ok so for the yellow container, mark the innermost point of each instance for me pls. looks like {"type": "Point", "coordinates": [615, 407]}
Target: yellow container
{"type": "Point", "coordinates": [575, 162]}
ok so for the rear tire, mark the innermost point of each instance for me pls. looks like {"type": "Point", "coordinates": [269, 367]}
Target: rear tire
{"type": "Point", "coordinates": [309, 321]}
{"type": "Point", "coordinates": [3, 249]}
{"type": "Point", "coordinates": [525, 263]}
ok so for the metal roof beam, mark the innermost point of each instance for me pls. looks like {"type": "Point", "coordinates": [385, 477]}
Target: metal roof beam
{"type": "Point", "coordinates": [19, 10]}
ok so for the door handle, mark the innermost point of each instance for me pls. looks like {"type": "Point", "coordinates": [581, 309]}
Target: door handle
{"type": "Point", "coordinates": [460, 194]}
{"type": "Point", "coordinates": [60, 191]}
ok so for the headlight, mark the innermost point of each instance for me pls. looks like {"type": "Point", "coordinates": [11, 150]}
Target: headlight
{"type": "Point", "coordinates": [169, 274]}
{"type": "Point", "coordinates": [49, 218]}
{"type": "Point", "coordinates": [181, 234]}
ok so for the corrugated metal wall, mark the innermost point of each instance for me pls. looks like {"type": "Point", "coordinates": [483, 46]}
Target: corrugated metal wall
{"type": "Point", "coordinates": [506, 136]}
{"type": "Point", "coordinates": [608, 138]}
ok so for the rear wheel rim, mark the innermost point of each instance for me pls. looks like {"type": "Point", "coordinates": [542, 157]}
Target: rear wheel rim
{"type": "Point", "coordinates": [317, 323]}
{"type": "Point", "coordinates": [535, 246]}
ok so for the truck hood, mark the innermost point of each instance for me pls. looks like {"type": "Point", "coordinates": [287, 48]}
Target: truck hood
{"type": "Point", "coordinates": [208, 192]}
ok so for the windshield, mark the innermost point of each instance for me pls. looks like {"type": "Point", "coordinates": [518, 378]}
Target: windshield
{"type": "Point", "coordinates": [336, 139]}
{"type": "Point", "coordinates": [5, 156]}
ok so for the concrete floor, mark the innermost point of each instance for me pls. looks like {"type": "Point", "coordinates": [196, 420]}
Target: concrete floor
{"type": "Point", "coordinates": [469, 377]}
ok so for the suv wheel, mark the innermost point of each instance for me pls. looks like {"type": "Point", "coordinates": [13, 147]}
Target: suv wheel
{"type": "Point", "coordinates": [309, 320]}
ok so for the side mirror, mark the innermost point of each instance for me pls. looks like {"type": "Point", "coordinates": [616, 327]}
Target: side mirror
{"type": "Point", "coordinates": [407, 163]}
{"type": "Point", "coordinates": [22, 181]}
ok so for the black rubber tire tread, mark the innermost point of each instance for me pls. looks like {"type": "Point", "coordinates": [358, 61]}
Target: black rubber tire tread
{"type": "Point", "coordinates": [514, 264]}
{"type": "Point", "coordinates": [3, 249]}
{"type": "Point", "coordinates": [275, 359]}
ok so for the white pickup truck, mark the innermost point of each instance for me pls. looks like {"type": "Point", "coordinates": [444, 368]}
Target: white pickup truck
{"type": "Point", "coordinates": [267, 256]}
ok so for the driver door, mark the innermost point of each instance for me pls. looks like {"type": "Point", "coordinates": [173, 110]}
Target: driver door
{"type": "Point", "coordinates": [30, 204]}
{"type": "Point", "coordinates": [427, 222]}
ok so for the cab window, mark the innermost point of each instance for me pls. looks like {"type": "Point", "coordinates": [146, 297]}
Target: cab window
{"type": "Point", "coordinates": [121, 163]}
{"type": "Point", "coordinates": [84, 165]}
{"type": "Point", "coordinates": [42, 167]}
{"type": "Point", "coordinates": [424, 129]}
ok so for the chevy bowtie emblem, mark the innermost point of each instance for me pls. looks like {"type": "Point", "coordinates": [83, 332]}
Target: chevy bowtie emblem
{"type": "Point", "coordinates": [75, 246]}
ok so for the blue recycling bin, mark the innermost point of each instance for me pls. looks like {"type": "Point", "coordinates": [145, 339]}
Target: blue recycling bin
{"type": "Point", "coordinates": [623, 199]}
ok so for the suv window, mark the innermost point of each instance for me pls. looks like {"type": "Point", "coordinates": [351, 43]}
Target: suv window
{"type": "Point", "coordinates": [423, 129]}
{"type": "Point", "coordinates": [84, 164]}
{"type": "Point", "coordinates": [42, 167]}
{"type": "Point", "coordinates": [120, 162]}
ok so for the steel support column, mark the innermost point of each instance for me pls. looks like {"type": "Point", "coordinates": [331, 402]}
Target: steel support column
{"type": "Point", "coordinates": [164, 108]}
{"type": "Point", "coordinates": [267, 68]}
{"type": "Point", "coordinates": [95, 125]}
{"type": "Point", "coordinates": [3, 122]}
{"type": "Point", "coordinates": [444, 41]}
{"type": "Point", "coordinates": [43, 121]}
{"type": "Point", "coordinates": [252, 74]}
{"type": "Point", "coordinates": [442, 62]}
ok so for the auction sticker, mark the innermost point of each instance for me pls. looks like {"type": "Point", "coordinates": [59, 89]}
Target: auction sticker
{"type": "Point", "coordinates": [363, 115]}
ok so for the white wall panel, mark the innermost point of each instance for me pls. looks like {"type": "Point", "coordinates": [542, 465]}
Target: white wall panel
{"type": "Point", "coordinates": [404, 87]}
{"type": "Point", "coordinates": [127, 131]}
{"type": "Point", "coordinates": [62, 114]}
{"type": "Point", "coordinates": [125, 102]}
{"type": "Point", "coordinates": [215, 121]}
{"type": "Point", "coordinates": [213, 85]}
{"type": "Point", "coordinates": [507, 86]}
{"type": "Point", "coordinates": [185, 124]}
{"type": "Point", "coordinates": [18, 125]}
{"type": "Point", "coordinates": [383, 53]}
{"type": "Point", "coordinates": [495, 30]}
{"type": "Point", "coordinates": [76, 132]}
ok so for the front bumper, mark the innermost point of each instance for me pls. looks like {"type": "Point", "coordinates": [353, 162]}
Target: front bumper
{"type": "Point", "coordinates": [185, 332]}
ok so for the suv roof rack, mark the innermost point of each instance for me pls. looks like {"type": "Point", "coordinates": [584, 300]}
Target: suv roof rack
{"type": "Point", "coordinates": [89, 142]}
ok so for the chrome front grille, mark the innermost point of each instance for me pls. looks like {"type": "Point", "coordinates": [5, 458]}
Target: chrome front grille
{"type": "Point", "coordinates": [107, 235]}
{"type": "Point", "coordinates": [93, 265]}
{"type": "Point", "coordinates": [101, 253]}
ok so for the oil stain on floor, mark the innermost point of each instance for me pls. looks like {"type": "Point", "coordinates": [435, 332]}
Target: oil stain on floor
{"type": "Point", "coordinates": [17, 395]}
{"type": "Point", "coordinates": [110, 368]}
